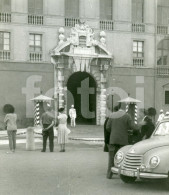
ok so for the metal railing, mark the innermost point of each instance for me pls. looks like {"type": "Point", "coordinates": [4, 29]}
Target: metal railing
{"type": "Point", "coordinates": [35, 20]}
{"type": "Point", "coordinates": [163, 70]}
{"type": "Point", "coordinates": [5, 55]}
{"type": "Point", "coordinates": [162, 29]}
{"type": "Point", "coordinates": [5, 17]}
{"type": "Point", "coordinates": [106, 25]}
{"type": "Point", "coordinates": [138, 62]}
{"type": "Point", "coordinates": [71, 21]}
{"type": "Point", "coordinates": [35, 57]}
{"type": "Point", "coordinates": [138, 27]}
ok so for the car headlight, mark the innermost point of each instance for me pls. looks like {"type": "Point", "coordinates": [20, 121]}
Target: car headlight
{"type": "Point", "coordinates": [154, 161]}
{"type": "Point", "coordinates": [119, 157]}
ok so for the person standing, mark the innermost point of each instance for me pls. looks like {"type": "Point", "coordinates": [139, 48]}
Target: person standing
{"type": "Point", "coordinates": [72, 114]}
{"type": "Point", "coordinates": [166, 115]}
{"type": "Point", "coordinates": [161, 116]}
{"type": "Point", "coordinates": [148, 128]}
{"type": "Point", "coordinates": [118, 125]}
{"type": "Point", "coordinates": [63, 131]}
{"type": "Point", "coordinates": [11, 126]}
{"type": "Point", "coordinates": [47, 131]}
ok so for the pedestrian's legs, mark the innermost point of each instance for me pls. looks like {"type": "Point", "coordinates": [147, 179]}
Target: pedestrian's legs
{"type": "Point", "coordinates": [64, 147]}
{"type": "Point", "coordinates": [112, 152]}
{"type": "Point", "coordinates": [45, 137]}
{"type": "Point", "coordinates": [71, 119]}
{"type": "Point", "coordinates": [10, 139]}
{"type": "Point", "coordinates": [74, 124]}
{"type": "Point", "coordinates": [110, 164]}
{"type": "Point", "coordinates": [51, 138]}
{"type": "Point", "coordinates": [14, 140]}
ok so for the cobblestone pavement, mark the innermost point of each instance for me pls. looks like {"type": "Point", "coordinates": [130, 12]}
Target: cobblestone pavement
{"type": "Point", "coordinates": [81, 170]}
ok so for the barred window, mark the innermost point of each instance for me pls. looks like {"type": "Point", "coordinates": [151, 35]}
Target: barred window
{"type": "Point", "coordinates": [138, 49]}
{"type": "Point", "coordinates": [166, 97]}
{"type": "Point", "coordinates": [4, 41]}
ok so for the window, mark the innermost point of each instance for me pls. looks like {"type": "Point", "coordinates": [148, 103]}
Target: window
{"type": "Point", "coordinates": [106, 9]}
{"type": "Point", "coordinates": [4, 45]}
{"type": "Point", "coordinates": [138, 53]}
{"type": "Point", "coordinates": [163, 52]}
{"type": "Point", "coordinates": [106, 15]}
{"type": "Point", "coordinates": [5, 6]}
{"type": "Point", "coordinates": [72, 8]}
{"type": "Point", "coordinates": [5, 41]}
{"type": "Point", "coordinates": [163, 12]}
{"type": "Point", "coordinates": [35, 10]}
{"type": "Point", "coordinates": [35, 43]}
{"type": "Point", "coordinates": [166, 97]}
{"type": "Point", "coordinates": [138, 11]}
{"type": "Point", "coordinates": [35, 47]}
{"type": "Point", "coordinates": [5, 11]}
{"type": "Point", "coordinates": [35, 7]}
{"type": "Point", "coordinates": [138, 50]}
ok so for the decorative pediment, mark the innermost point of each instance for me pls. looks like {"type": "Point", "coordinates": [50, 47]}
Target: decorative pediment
{"type": "Point", "coordinates": [81, 42]}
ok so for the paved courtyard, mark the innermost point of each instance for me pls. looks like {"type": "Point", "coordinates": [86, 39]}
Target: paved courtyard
{"type": "Point", "coordinates": [81, 170]}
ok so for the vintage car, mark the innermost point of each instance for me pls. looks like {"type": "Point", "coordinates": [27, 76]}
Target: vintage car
{"type": "Point", "coordinates": [146, 159]}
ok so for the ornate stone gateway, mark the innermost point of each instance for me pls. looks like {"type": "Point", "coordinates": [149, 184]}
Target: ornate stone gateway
{"type": "Point", "coordinates": [81, 53]}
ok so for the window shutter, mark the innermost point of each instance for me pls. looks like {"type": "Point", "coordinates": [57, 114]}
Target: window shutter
{"type": "Point", "coordinates": [166, 97]}
{"type": "Point", "coordinates": [39, 7]}
{"type": "Point", "coordinates": [109, 10]}
{"type": "Point", "coordinates": [163, 12]}
{"type": "Point", "coordinates": [138, 11]}
{"type": "Point", "coordinates": [1, 40]}
{"type": "Point", "coordinates": [5, 6]}
{"type": "Point", "coordinates": [31, 6]}
{"type": "Point", "coordinates": [35, 7]}
{"type": "Point", "coordinates": [106, 9]}
{"type": "Point", "coordinates": [72, 8]}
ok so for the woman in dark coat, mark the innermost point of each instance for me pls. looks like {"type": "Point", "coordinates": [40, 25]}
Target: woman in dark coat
{"type": "Point", "coordinates": [148, 128]}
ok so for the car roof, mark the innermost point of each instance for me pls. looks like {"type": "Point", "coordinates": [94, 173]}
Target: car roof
{"type": "Point", "coordinates": [165, 120]}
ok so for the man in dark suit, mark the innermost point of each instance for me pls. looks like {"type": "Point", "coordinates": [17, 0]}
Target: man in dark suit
{"type": "Point", "coordinates": [118, 125]}
{"type": "Point", "coordinates": [47, 131]}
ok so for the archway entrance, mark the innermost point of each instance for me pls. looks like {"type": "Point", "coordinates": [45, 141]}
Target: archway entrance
{"type": "Point", "coordinates": [81, 91]}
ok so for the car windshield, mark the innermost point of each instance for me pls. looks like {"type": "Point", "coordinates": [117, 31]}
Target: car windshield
{"type": "Point", "coordinates": [162, 129]}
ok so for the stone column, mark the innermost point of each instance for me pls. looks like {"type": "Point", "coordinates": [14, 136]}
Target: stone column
{"type": "Point", "coordinates": [102, 100]}
{"type": "Point", "coordinates": [60, 87]}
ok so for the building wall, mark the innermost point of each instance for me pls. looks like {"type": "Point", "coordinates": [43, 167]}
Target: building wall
{"type": "Point", "coordinates": [20, 82]}
{"type": "Point", "coordinates": [119, 43]}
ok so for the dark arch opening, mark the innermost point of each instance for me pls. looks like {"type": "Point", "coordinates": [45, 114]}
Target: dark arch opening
{"type": "Point", "coordinates": [81, 88]}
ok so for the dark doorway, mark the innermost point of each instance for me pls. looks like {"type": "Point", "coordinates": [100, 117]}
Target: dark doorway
{"type": "Point", "coordinates": [82, 94]}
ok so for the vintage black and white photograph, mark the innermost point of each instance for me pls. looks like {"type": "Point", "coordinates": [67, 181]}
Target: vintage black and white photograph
{"type": "Point", "coordinates": [84, 97]}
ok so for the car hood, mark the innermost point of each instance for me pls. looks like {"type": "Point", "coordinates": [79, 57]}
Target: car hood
{"type": "Point", "coordinates": [148, 144]}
